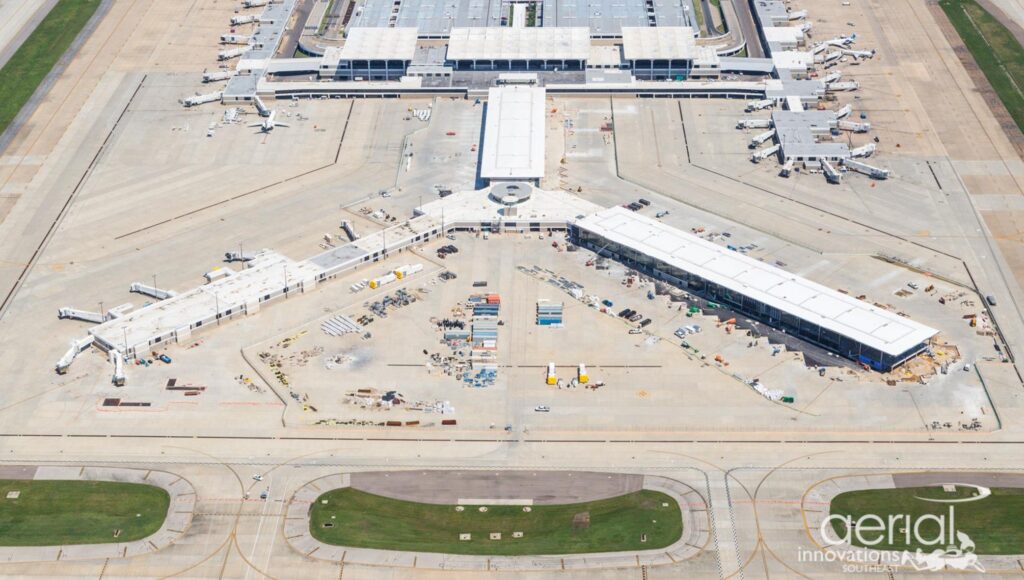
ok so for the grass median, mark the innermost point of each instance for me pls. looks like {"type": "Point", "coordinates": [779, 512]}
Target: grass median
{"type": "Point", "coordinates": [357, 519]}
{"type": "Point", "coordinates": [995, 49]}
{"type": "Point", "coordinates": [994, 523]}
{"type": "Point", "coordinates": [51, 513]}
{"type": "Point", "coordinates": [36, 57]}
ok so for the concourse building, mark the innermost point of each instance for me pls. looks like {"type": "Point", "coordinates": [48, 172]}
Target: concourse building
{"type": "Point", "coordinates": [822, 316]}
{"type": "Point", "coordinates": [513, 148]}
{"type": "Point", "coordinates": [519, 49]}
{"type": "Point", "coordinates": [666, 53]}
{"type": "Point", "coordinates": [370, 54]}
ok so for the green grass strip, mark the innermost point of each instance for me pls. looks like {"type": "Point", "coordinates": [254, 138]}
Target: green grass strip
{"type": "Point", "coordinates": [363, 520]}
{"type": "Point", "coordinates": [995, 49]}
{"type": "Point", "coordinates": [993, 523]}
{"type": "Point", "coordinates": [51, 513]}
{"type": "Point", "coordinates": [22, 74]}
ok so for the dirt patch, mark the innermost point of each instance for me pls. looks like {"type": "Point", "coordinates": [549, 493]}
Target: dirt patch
{"type": "Point", "coordinates": [543, 487]}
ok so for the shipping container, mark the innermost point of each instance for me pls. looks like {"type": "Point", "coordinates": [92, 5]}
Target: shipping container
{"type": "Point", "coordinates": [407, 270]}
{"type": "Point", "coordinates": [383, 280]}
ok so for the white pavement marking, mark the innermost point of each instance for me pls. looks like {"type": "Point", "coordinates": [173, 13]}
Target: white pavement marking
{"type": "Point", "coordinates": [259, 529]}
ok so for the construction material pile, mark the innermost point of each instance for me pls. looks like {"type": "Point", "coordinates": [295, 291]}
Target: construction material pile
{"type": "Point", "coordinates": [549, 313]}
{"type": "Point", "coordinates": [340, 325]}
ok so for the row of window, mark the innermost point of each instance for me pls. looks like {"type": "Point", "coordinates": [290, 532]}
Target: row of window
{"type": "Point", "coordinates": [744, 304]}
{"type": "Point", "coordinates": [522, 65]}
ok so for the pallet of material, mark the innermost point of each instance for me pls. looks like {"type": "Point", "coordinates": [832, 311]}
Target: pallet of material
{"type": "Point", "coordinates": [112, 402]}
{"type": "Point", "coordinates": [340, 325]}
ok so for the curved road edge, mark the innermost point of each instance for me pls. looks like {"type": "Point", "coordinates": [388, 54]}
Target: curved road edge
{"type": "Point", "coordinates": [694, 540]}
{"type": "Point", "coordinates": [179, 515]}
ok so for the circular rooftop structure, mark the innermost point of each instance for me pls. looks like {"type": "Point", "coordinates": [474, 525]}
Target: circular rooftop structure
{"type": "Point", "coordinates": [511, 193]}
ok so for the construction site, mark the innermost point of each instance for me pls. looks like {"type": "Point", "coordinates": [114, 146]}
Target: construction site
{"type": "Point", "coordinates": [695, 242]}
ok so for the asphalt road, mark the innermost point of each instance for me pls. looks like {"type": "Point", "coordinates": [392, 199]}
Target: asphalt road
{"type": "Point", "coordinates": [708, 20]}
{"type": "Point", "coordinates": [290, 42]}
{"type": "Point", "coordinates": [746, 22]}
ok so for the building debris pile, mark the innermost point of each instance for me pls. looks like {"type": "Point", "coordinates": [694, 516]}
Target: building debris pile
{"type": "Point", "coordinates": [376, 400]}
{"type": "Point", "coordinates": [392, 301]}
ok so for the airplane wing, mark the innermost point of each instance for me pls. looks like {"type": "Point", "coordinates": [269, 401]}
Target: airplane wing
{"type": "Point", "coordinates": [255, 124]}
{"type": "Point", "coordinates": [281, 124]}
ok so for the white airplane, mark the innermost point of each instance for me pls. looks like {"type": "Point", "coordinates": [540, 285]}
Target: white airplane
{"type": "Point", "coordinates": [267, 125]}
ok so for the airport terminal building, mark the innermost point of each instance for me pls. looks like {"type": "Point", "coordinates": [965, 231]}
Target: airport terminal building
{"type": "Point", "coordinates": [840, 323]}
{"type": "Point", "coordinates": [519, 49]}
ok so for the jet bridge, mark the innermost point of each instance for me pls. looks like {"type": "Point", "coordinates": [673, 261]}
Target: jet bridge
{"type": "Point", "coordinates": [77, 347]}
{"type": "Point", "coordinates": [831, 174]}
{"type": "Point", "coordinates": [763, 154]}
{"type": "Point", "coordinates": [863, 151]}
{"type": "Point", "coordinates": [202, 99]}
{"type": "Point", "coordinates": [118, 361]}
{"type": "Point", "coordinates": [159, 294]}
{"type": "Point", "coordinates": [759, 139]}
{"type": "Point", "coordinates": [754, 123]}
{"type": "Point", "coordinates": [67, 313]}
{"type": "Point", "coordinates": [852, 126]}
{"type": "Point", "coordinates": [869, 170]}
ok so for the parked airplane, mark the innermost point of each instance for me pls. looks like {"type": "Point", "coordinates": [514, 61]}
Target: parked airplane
{"type": "Point", "coordinates": [267, 125]}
